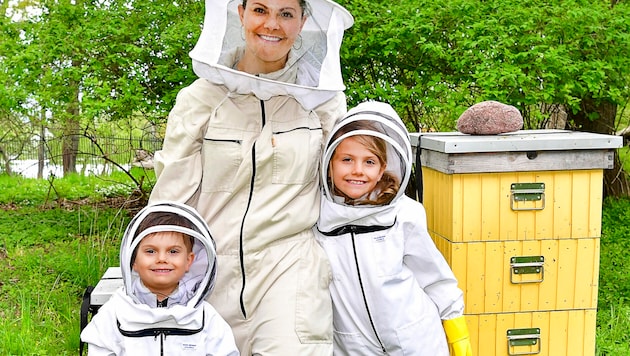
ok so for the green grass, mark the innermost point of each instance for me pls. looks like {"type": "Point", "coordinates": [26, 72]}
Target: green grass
{"type": "Point", "coordinates": [52, 248]}
{"type": "Point", "coordinates": [35, 192]}
{"type": "Point", "coordinates": [624, 157]}
{"type": "Point", "coordinates": [613, 312]}
{"type": "Point", "coordinates": [55, 239]}
{"type": "Point", "coordinates": [50, 257]}
{"type": "Point", "coordinates": [612, 330]}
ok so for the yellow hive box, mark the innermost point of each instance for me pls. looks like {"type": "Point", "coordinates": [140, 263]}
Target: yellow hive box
{"type": "Point", "coordinates": [557, 333]}
{"type": "Point", "coordinates": [488, 206]}
{"type": "Point", "coordinates": [527, 185]}
{"type": "Point", "coordinates": [515, 276]}
{"type": "Point", "coordinates": [518, 218]}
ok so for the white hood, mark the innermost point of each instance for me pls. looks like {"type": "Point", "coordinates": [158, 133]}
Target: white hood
{"type": "Point", "coordinates": [334, 213]}
{"type": "Point", "coordinates": [313, 72]}
{"type": "Point", "coordinates": [197, 283]}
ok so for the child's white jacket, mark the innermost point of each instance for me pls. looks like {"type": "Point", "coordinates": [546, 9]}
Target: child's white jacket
{"type": "Point", "coordinates": [130, 323]}
{"type": "Point", "coordinates": [390, 287]}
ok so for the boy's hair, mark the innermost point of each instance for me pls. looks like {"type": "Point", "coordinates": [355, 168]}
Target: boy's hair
{"type": "Point", "coordinates": [165, 218]}
{"type": "Point", "coordinates": [389, 184]}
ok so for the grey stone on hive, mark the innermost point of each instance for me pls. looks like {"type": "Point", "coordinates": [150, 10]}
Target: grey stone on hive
{"type": "Point", "coordinates": [490, 118]}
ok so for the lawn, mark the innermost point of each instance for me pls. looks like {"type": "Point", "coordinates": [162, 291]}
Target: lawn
{"type": "Point", "coordinates": [58, 237]}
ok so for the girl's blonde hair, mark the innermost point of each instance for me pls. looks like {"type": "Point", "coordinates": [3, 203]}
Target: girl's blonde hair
{"type": "Point", "coordinates": [388, 186]}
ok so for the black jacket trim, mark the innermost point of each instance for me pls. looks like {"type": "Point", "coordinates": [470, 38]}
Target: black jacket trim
{"type": "Point", "coordinates": [357, 229]}
{"type": "Point", "coordinates": [162, 331]}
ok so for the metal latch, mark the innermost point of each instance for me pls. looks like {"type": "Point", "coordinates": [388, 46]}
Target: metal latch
{"type": "Point", "coordinates": [520, 265]}
{"type": "Point", "coordinates": [521, 192]}
{"type": "Point", "coordinates": [527, 340]}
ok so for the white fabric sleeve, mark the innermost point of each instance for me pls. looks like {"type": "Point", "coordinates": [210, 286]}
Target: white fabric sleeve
{"type": "Point", "coordinates": [220, 342]}
{"type": "Point", "coordinates": [178, 166]}
{"type": "Point", "coordinates": [99, 334]}
{"type": "Point", "coordinates": [331, 111]}
{"type": "Point", "coordinates": [429, 267]}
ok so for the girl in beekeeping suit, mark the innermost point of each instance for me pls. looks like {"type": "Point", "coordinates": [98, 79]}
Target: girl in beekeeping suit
{"type": "Point", "coordinates": [242, 146]}
{"type": "Point", "coordinates": [393, 292]}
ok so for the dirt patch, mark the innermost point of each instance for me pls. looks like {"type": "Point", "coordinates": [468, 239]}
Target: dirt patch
{"type": "Point", "coordinates": [132, 204]}
{"type": "Point", "coordinates": [9, 206]}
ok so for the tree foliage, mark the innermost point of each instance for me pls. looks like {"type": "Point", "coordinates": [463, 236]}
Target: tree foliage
{"type": "Point", "coordinates": [434, 59]}
{"type": "Point", "coordinates": [82, 62]}
{"type": "Point", "coordinates": [124, 56]}
{"type": "Point", "coordinates": [75, 64]}
{"type": "Point", "coordinates": [70, 65]}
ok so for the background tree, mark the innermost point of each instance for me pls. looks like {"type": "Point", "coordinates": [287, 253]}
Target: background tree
{"type": "Point", "coordinates": [85, 62]}
{"type": "Point", "coordinates": [90, 60]}
{"type": "Point", "coordinates": [433, 60]}
{"type": "Point", "coordinates": [15, 107]}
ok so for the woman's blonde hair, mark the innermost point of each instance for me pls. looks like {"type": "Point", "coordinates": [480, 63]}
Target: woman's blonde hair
{"type": "Point", "coordinates": [388, 186]}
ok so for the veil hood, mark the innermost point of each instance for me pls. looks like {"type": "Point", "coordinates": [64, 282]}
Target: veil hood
{"type": "Point", "coordinates": [388, 126]}
{"type": "Point", "coordinates": [198, 282]}
{"type": "Point", "coordinates": [315, 65]}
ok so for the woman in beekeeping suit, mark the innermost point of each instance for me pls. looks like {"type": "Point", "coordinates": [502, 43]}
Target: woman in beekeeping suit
{"type": "Point", "coordinates": [242, 146]}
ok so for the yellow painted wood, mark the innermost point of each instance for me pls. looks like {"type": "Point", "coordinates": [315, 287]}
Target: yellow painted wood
{"type": "Point", "coordinates": [477, 207]}
{"type": "Point", "coordinates": [472, 222]}
{"type": "Point", "coordinates": [562, 333]}
{"type": "Point", "coordinates": [440, 201]}
{"type": "Point", "coordinates": [485, 274]}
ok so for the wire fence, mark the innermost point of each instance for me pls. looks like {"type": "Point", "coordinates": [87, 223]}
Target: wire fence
{"type": "Point", "coordinates": [94, 155]}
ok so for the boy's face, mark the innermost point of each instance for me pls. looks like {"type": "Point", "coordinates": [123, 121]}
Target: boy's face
{"type": "Point", "coordinates": [162, 260]}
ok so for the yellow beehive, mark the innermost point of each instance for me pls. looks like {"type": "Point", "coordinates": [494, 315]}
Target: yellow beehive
{"type": "Point", "coordinates": [482, 207]}
{"type": "Point", "coordinates": [567, 277]}
{"type": "Point", "coordinates": [566, 332]}
{"type": "Point", "coordinates": [518, 218]}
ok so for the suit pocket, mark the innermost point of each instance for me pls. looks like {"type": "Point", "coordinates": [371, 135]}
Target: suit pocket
{"type": "Point", "coordinates": [296, 152]}
{"type": "Point", "coordinates": [350, 344]}
{"type": "Point", "coordinates": [222, 157]}
{"type": "Point", "coordinates": [388, 252]}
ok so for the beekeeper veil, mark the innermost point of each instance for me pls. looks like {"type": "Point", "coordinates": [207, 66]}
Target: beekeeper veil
{"type": "Point", "coordinates": [198, 282]}
{"type": "Point", "coordinates": [312, 74]}
{"type": "Point", "coordinates": [376, 119]}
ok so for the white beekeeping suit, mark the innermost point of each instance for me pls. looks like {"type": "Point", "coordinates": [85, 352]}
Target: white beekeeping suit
{"type": "Point", "coordinates": [244, 149]}
{"type": "Point", "coordinates": [131, 323]}
{"type": "Point", "coordinates": [391, 287]}
{"type": "Point", "coordinates": [312, 74]}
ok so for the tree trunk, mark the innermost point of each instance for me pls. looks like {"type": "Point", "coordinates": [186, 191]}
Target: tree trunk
{"type": "Point", "coordinates": [70, 140]}
{"type": "Point", "coordinates": [41, 148]}
{"type": "Point", "coordinates": [70, 147]}
{"type": "Point", "coordinates": [616, 182]}
{"type": "Point", "coordinates": [7, 161]}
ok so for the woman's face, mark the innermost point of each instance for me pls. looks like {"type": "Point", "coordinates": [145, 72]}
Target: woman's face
{"type": "Point", "coordinates": [271, 27]}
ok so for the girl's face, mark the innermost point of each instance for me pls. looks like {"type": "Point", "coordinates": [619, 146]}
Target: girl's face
{"type": "Point", "coordinates": [161, 261]}
{"type": "Point", "coordinates": [271, 27]}
{"type": "Point", "coordinates": [354, 169]}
